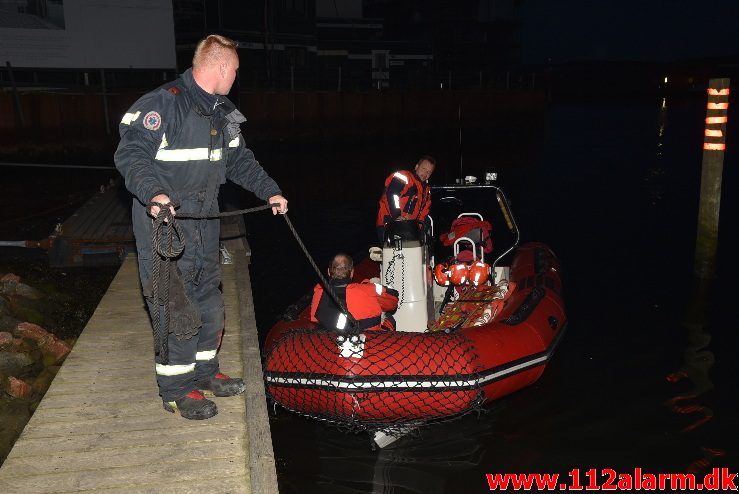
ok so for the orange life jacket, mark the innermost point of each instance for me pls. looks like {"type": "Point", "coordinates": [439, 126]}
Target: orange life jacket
{"type": "Point", "coordinates": [405, 195]}
{"type": "Point", "coordinates": [365, 301]}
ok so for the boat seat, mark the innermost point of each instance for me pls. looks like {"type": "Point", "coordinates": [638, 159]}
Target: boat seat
{"type": "Point", "coordinates": [473, 227]}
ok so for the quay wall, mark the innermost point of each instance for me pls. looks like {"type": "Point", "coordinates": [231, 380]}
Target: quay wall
{"type": "Point", "coordinates": [62, 122]}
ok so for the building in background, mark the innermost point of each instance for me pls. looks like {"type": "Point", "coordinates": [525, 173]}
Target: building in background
{"type": "Point", "coordinates": [277, 38]}
{"type": "Point", "coordinates": [359, 44]}
{"type": "Point", "coordinates": [332, 45]}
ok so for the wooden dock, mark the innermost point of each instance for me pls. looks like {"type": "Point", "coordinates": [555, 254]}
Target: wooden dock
{"type": "Point", "coordinates": [100, 232]}
{"type": "Point", "coordinates": [101, 426]}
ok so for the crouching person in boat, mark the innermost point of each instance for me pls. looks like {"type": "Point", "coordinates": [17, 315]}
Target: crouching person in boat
{"type": "Point", "coordinates": [365, 301]}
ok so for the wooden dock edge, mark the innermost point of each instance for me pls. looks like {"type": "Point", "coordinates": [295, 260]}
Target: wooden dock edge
{"type": "Point", "coordinates": [263, 473]}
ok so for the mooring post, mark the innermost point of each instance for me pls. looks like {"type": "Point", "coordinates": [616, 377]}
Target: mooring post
{"type": "Point", "coordinates": [714, 145]}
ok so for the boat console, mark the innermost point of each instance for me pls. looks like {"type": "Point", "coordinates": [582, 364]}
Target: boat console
{"type": "Point", "coordinates": [405, 264]}
{"type": "Point", "coordinates": [410, 250]}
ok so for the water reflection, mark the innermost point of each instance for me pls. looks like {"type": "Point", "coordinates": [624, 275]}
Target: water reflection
{"type": "Point", "coordinates": [317, 459]}
{"type": "Point", "coordinates": [421, 462]}
{"type": "Point", "coordinates": [698, 360]}
{"type": "Point", "coordinates": [655, 174]}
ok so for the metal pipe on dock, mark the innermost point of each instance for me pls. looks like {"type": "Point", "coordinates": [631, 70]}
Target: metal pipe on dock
{"type": "Point", "coordinates": [30, 244]}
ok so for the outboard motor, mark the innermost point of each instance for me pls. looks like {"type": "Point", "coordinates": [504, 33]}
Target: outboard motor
{"type": "Point", "coordinates": [405, 268]}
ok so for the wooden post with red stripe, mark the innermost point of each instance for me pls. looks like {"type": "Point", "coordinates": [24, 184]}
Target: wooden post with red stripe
{"type": "Point", "coordinates": [714, 146]}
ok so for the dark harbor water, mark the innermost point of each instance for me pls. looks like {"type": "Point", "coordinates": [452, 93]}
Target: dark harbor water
{"type": "Point", "coordinates": [613, 188]}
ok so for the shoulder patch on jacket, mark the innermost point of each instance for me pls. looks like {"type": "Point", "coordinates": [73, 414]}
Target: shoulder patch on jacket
{"type": "Point", "coordinates": [174, 90]}
{"type": "Point", "coordinates": [152, 120]}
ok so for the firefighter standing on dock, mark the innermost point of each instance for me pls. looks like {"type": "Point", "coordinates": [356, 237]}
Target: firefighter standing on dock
{"type": "Point", "coordinates": [179, 143]}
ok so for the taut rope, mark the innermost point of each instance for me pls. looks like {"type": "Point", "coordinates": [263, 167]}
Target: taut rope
{"type": "Point", "coordinates": [164, 231]}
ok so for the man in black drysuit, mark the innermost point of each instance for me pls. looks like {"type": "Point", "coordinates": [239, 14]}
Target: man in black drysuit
{"type": "Point", "coordinates": [179, 143]}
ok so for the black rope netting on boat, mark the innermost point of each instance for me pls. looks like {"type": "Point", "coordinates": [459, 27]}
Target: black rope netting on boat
{"type": "Point", "coordinates": [382, 381]}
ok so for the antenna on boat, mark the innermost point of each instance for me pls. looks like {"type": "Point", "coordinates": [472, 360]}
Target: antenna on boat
{"type": "Point", "coordinates": [459, 118]}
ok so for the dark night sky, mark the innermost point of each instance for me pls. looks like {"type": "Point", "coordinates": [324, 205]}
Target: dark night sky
{"type": "Point", "coordinates": [629, 30]}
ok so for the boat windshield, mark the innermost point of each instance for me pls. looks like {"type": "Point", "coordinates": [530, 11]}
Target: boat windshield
{"type": "Point", "coordinates": [489, 201]}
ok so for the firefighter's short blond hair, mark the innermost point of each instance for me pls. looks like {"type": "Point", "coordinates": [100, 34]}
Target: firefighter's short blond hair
{"type": "Point", "coordinates": [212, 50]}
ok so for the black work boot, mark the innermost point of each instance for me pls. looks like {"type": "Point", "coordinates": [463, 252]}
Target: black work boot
{"type": "Point", "coordinates": [193, 406]}
{"type": "Point", "coordinates": [222, 385]}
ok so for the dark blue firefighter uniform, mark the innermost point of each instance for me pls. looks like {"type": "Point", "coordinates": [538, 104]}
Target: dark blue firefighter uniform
{"type": "Point", "coordinates": [174, 143]}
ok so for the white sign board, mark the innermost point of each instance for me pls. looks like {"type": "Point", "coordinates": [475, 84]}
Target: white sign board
{"type": "Point", "coordinates": [104, 34]}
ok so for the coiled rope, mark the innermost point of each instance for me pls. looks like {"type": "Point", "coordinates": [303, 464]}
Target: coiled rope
{"type": "Point", "coordinates": [164, 231]}
{"type": "Point", "coordinates": [168, 243]}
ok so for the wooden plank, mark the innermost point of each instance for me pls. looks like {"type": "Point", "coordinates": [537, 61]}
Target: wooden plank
{"type": "Point", "coordinates": [159, 420]}
{"type": "Point", "coordinates": [116, 399]}
{"type": "Point", "coordinates": [121, 457]}
{"type": "Point", "coordinates": [120, 222]}
{"type": "Point", "coordinates": [71, 225]}
{"type": "Point", "coordinates": [98, 366]}
{"type": "Point", "coordinates": [231, 485]}
{"type": "Point", "coordinates": [95, 218]}
{"type": "Point", "coordinates": [261, 454]}
{"type": "Point", "coordinates": [42, 446]}
{"type": "Point", "coordinates": [112, 209]}
{"type": "Point", "coordinates": [107, 358]}
{"type": "Point", "coordinates": [79, 224]}
{"type": "Point", "coordinates": [70, 384]}
{"type": "Point", "coordinates": [74, 410]}
{"type": "Point", "coordinates": [107, 393]}
{"type": "Point", "coordinates": [145, 383]}
{"type": "Point", "coordinates": [233, 236]}
{"type": "Point", "coordinates": [101, 477]}
{"type": "Point", "coordinates": [99, 216]}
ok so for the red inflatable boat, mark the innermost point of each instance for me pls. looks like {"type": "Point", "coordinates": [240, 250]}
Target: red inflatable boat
{"type": "Point", "coordinates": [456, 346]}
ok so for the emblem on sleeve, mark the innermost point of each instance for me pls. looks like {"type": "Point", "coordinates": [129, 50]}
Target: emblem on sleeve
{"type": "Point", "coordinates": [152, 120]}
